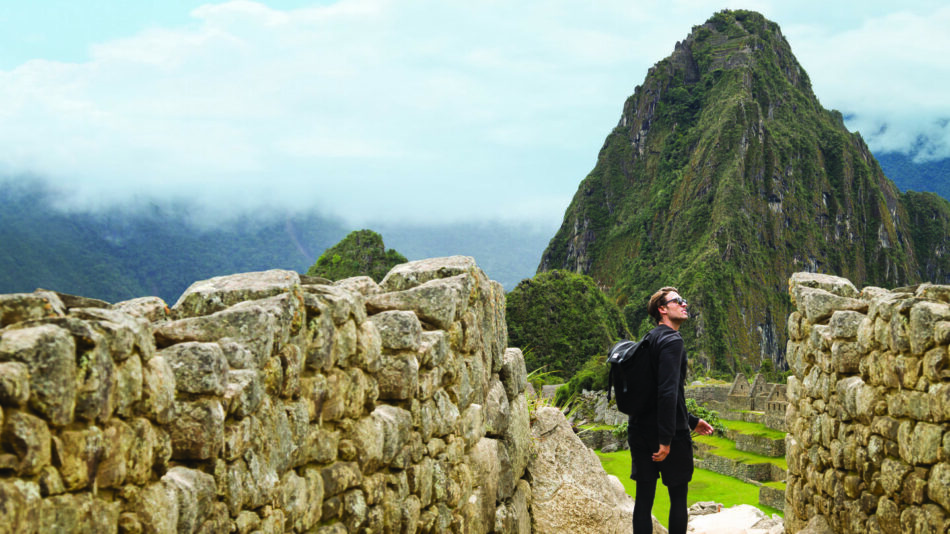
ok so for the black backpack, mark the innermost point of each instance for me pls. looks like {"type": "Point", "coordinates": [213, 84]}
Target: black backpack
{"type": "Point", "coordinates": [630, 375]}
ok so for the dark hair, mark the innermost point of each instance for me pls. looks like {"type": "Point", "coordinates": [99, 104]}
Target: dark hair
{"type": "Point", "coordinates": [653, 308]}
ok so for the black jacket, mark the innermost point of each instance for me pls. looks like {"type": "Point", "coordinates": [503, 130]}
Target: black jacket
{"type": "Point", "coordinates": [668, 363]}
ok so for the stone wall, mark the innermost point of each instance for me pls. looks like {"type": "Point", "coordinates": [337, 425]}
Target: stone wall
{"type": "Point", "coordinates": [267, 402]}
{"type": "Point", "coordinates": [712, 396]}
{"type": "Point", "coordinates": [869, 404]}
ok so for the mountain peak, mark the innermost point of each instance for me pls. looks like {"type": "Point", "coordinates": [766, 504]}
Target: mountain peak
{"type": "Point", "coordinates": [722, 177]}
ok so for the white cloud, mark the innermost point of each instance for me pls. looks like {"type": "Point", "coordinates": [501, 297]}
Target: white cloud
{"type": "Point", "coordinates": [410, 110]}
{"type": "Point", "coordinates": [889, 76]}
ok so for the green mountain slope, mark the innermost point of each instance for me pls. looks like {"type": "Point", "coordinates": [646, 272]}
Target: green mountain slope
{"type": "Point", "coordinates": [724, 176]}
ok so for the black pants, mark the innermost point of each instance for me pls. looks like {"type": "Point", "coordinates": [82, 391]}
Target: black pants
{"type": "Point", "coordinates": [642, 508]}
{"type": "Point", "coordinates": [676, 470]}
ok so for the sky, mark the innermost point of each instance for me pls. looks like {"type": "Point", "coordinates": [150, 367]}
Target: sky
{"type": "Point", "coordinates": [401, 110]}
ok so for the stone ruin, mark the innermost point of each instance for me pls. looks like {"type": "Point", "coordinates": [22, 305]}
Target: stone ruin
{"type": "Point", "coordinates": [868, 448]}
{"type": "Point", "coordinates": [271, 402]}
{"type": "Point", "coordinates": [760, 396]}
{"type": "Point", "coordinates": [759, 402]}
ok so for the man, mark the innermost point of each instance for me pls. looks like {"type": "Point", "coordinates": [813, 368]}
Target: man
{"type": "Point", "coordinates": [659, 436]}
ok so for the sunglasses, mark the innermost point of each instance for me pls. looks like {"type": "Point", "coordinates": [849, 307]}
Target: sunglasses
{"type": "Point", "coordinates": [679, 300]}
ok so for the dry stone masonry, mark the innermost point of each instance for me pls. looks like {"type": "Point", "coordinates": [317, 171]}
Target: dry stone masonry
{"type": "Point", "coordinates": [272, 402]}
{"type": "Point", "coordinates": [869, 404]}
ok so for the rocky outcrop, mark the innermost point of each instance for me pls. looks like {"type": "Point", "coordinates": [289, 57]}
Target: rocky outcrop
{"type": "Point", "coordinates": [580, 499]}
{"type": "Point", "coordinates": [270, 402]}
{"type": "Point", "coordinates": [869, 405]}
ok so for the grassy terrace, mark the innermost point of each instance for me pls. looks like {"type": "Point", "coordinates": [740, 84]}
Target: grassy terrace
{"type": "Point", "coordinates": [706, 486]}
{"type": "Point", "coordinates": [753, 429]}
{"type": "Point", "coordinates": [727, 449]}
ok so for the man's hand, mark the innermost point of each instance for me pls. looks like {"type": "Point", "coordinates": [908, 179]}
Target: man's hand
{"type": "Point", "coordinates": [703, 428]}
{"type": "Point", "coordinates": [661, 454]}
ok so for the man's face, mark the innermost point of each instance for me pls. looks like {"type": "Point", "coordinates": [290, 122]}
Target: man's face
{"type": "Point", "coordinates": [676, 307]}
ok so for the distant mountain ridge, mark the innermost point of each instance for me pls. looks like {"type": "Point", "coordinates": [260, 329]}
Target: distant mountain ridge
{"type": "Point", "coordinates": [723, 176]}
{"type": "Point", "coordinates": [912, 175]}
{"type": "Point", "coordinates": [120, 254]}
{"type": "Point", "coordinates": [116, 255]}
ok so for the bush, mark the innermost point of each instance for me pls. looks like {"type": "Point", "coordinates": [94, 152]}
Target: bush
{"type": "Point", "coordinates": [710, 416]}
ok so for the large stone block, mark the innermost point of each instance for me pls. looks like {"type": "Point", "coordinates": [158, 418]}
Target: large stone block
{"type": "Point", "coordinates": [437, 302]}
{"type": "Point", "coordinates": [129, 379]}
{"type": "Point", "coordinates": [398, 376]}
{"type": "Point", "coordinates": [832, 284]}
{"type": "Point", "coordinates": [920, 443]}
{"type": "Point", "coordinates": [96, 389]}
{"type": "Point", "coordinates": [914, 404]}
{"type": "Point", "coordinates": [78, 454]}
{"type": "Point", "coordinates": [936, 365]}
{"type": "Point", "coordinates": [938, 486]}
{"type": "Point", "coordinates": [141, 453]}
{"type": "Point", "coordinates": [517, 438]}
{"type": "Point", "coordinates": [396, 424]}
{"type": "Point", "coordinates": [117, 440]}
{"type": "Point", "coordinates": [845, 357]}
{"type": "Point", "coordinates": [77, 513]}
{"type": "Point", "coordinates": [398, 330]}
{"type": "Point", "coordinates": [484, 459]}
{"type": "Point", "coordinates": [415, 273]}
{"type": "Point", "coordinates": [28, 439]}
{"type": "Point", "coordinates": [866, 340]}
{"type": "Point", "coordinates": [819, 304]}
{"type": "Point", "coordinates": [199, 368]}
{"type": "Point", "coordinates": [434, 349]}
{"type": "Point", "coordinates": [19, 506]}
{"type": "Point", "coordinates": [247, 323]}
{"type": "Point", "coordinates": [514, 375]}
{"type": "Point", "coordinates": [50, 354]}
{"type": "Point", "coordinates": [369, 346]}
{"type": "Point", "coordinates": [198, 432]}
{"type": "Point", "coordinates": [194, 492]}
{"type": "Point", "coordinates": [339, 477]}
{"type": "Point", "coordinates": [471, 426]}
{"type": "Point", "coordinates": [446, 414]}
{"type": "Point", "coordinates": [152, 309]}
{"type": "Point", "coordinates": [156, 508]}
{"type": "Point", "coordinates": [18, 307]}
{"type": "Point", "coordinates": [14, 383]}
{"type": "Point", "coordinates": [924, 316]}
{"type": "Point", "coordinates": [244, 392]}
{"type": "Point", "coordinates": [215, 294]}
{"type": "Point", "coordinates": [341, 303]}
{"type": "Point", "coordinates": [124, 334]}
{"type": "Point", "coordinates": [158, 391]}
{"type": "Point", "coordinates": [845, 324]}
{"type": "Point", "coordinates": [496, 410]}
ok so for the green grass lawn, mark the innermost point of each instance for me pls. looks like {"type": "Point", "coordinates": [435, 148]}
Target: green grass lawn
{"type": "Point", "coordinates": [727, 449]}
{"type": "Point", "coordinates": [753, 429]}
{"type": "Point", "coordinates": [706, 486]}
